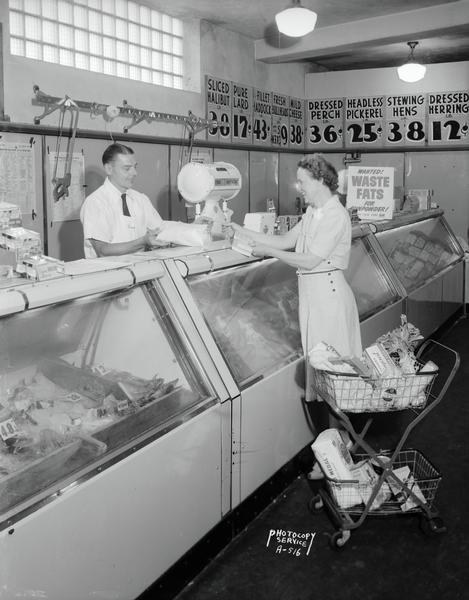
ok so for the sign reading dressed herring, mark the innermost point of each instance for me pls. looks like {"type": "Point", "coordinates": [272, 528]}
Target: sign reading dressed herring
{"type": "Point", "coordinates": [371, 191]}
{"type": "Point", "coordinates": [448, 118]}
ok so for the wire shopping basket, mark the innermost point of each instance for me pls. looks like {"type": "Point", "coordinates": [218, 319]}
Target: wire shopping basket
{"type": "Point", "coordinates": [422, 479]}
{"type": "Point", "coordinates": [356, 394]}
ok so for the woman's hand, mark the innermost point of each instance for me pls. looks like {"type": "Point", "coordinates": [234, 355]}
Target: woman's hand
{"type": "Point", "coordinates": [261, 250]}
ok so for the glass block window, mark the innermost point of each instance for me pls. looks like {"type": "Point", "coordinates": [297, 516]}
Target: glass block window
{"type": "Point", "coordinates": [114, 37]}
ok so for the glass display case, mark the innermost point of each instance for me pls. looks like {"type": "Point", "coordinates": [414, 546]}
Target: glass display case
{"type": "Point", "coordinates": [252, 312]}
{"type": "Point", "coordinates": [420, 250]}
{"type": "Point", "coordinates": [83, 381]}
{"type": "Point", "coordinates": [370, 281]}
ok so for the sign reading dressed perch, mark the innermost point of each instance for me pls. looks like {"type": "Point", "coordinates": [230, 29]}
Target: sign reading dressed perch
{"type": "Point", "coordinates": [364, 121]}
{"type": "Point", "coordinates": [405, 120]}
{"type": "Point", "coordinates": [324, 123]}
{"type": "Point", "coordinates": [262, 118]}
{"type": "Point", "coordinates": [296, 123]}
{"type": "Point", "coordinates": [280, 120]}
{"type": "Point", "coordinates": [218, 94]}
{"type": "Point", "coordinates": [448, 118]}
{"type": "Point", "coordinates": [371, 191]}
{"type": "Point", "coordinates": [241, 113]}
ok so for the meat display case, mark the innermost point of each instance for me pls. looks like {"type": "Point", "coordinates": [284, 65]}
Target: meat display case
{"type": "Point", "coordinates": [429, 262]}
{"type": "Point", "coordinates": [110, 411]}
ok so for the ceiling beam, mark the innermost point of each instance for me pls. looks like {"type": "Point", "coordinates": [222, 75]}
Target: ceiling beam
{"type": "Point", "coordinates": [405, 26]}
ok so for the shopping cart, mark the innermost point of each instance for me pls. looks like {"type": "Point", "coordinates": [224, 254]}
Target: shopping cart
{"type": "Point", "coordinates": [404, 481]}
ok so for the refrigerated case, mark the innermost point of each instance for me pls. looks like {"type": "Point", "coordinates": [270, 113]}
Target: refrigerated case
{"type": "Point", "coordinates": [429, 262]}
{"type": "Point", "coordinates": [110, 411]}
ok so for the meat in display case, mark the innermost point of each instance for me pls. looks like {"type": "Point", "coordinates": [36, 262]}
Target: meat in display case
{"type": "Point", "coordinates": [83, 380]}
{"type": "Point", "coordinates": [252, 312]}
{"type": "Point", "coordinates": [420, 250]}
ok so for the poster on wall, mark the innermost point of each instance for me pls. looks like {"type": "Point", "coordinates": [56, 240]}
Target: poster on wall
{"type": "Point", "coordinates": [218, 95]}
{"type": "Point", "coordinates": [241, 113]}
{"type": "Point", "coordinates": [325, 123]}
{"type": "Point", "coordinates": [370, 190]}
{"type": "Point", "coordinates": [448, 118]}
{"type": "Point", "coordinates": [262, 117]}
{"type": "Point", "coordinates": [67, 208]}
{"type": "Point", "coordinates": [405, 120]}
{"type": "Point", "coordinates": [280, 120]}
{"type": "Point", "coordinates": [364, 121]}
{"type": "Point", "coordinates": [17, 176]}
{"type": "Point", "coordinates": [296, 138]}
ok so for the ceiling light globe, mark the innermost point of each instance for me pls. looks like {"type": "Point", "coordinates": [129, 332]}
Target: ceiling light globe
{"type": "Point", "coordinates": [296, 21]}
{"type": "Point", "coordinates": [411, 72]}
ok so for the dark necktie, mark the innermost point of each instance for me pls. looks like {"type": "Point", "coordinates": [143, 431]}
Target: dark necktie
{"type": "Point", "coordinates": [125, 208]}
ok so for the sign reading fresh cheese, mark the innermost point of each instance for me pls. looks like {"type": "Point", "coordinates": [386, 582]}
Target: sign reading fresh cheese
{"type": "Point", "coordinates": [280, 120]}
{"type": "Point", "coordinates": [364, 121]}
{"type": "Point", "coordinates": [241, 113]}
{"type": "Point", "coordinates": [448, 118]}
{"type": "Point", "coordinates": [296, 113]}
{"type": "Point", "coordinates": [324, 123]}
{"type": "Point", "coordinates": [405, 120]}
{"type": "Point", "coordinates": [218, 94]}
{"type": "Point", "coordinates": [371, 191]}
{"type": "Point", "coordinates": [262, 117]}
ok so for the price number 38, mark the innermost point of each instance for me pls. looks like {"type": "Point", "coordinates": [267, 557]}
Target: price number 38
{"type": "Point", "coordinates": [400, 132]}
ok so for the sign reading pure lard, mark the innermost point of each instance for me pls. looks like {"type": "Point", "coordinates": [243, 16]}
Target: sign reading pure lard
{"type": "Point", "coordinates": [371, 191]}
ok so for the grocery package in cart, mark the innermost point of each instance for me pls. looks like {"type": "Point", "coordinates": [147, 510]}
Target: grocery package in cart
{"type": "Point", "coordinates": [388, 377]}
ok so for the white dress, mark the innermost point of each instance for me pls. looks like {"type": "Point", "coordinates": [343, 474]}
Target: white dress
{"type": "Point", "coordinates": [327, 308]}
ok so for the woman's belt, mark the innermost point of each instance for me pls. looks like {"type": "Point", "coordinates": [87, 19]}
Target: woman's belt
{"type": "Point", "coordinates": [316, 272]}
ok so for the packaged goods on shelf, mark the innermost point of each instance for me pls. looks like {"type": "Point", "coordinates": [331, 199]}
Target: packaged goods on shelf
{"type": "Point", "coordinates": [40, 267]}
{"type": "Point", "coordinates": [10, 215]}
{"type": "Point", "coordinates": [23, 242]}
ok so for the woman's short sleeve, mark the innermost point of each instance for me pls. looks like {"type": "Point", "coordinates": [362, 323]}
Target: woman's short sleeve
{"type": "Point", "coordinates": [332, 230]}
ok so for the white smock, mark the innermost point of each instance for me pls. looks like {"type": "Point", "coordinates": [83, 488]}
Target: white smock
{"type": "Point", "coordinates": [327, 308]}
{"type": "Point", "coordinates": [103, 219]}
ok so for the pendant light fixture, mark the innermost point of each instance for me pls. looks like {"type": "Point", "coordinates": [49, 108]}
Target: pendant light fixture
{"type": "Point", "coordinates": [296, 21]}
{"type": "Point", "coordinates": [411, 71]}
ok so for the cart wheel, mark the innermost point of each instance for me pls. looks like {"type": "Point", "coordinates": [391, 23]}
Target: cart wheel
{"type": "Point", "coordinates": [432, 527]}
{"type": "Point", "coordinates": [316, 504]}
{"type": "Point", "coordinates": [338, 539]}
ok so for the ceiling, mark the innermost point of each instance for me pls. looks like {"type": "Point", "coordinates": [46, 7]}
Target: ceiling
{"type": "Point", "coordinates": [350, 34]}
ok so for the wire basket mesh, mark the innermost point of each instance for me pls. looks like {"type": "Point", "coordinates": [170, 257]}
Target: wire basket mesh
{"type": "Point", "coordinates": [355, 394]}
{"type": "Point", "coordinates": [423, 479]}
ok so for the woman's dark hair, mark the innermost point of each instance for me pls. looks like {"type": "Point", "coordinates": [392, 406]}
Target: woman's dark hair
{"type": "Point", "coordinates": [111, 152]}
{"type": "Point", "coordinates": [318, 167]}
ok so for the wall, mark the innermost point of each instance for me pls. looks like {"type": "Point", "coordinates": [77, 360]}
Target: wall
{"type": "Point", "coordinates": [444, 172]}
{"type": "Point", "coordinates": [212, 51]}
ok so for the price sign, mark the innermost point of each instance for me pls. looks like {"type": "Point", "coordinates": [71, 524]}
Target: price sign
{"type": "Point", "coordinates": [262, 117]}
{"type": "Point", "coordinates": [241, 113]}
{"type": "Point", "coordinates": [364, 121]}
{"type": "Point", "coordinates": [218, 95]}
{"type": "Point", "coordinates": [405, 120]}
{"type": "Point", "coordinates": [280, 120]}
{"type": "Point", "coordinates": [324, 123]}
{"type": "Point", "coordinates": [448, 118]}
{"type": "Point", "coordinates": [8, 429]}
{"type": "Point", "coordinates": [296, 138]}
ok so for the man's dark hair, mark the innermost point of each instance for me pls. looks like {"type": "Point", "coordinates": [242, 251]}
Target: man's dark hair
{"type": "Point", "coordinates": [111, 151]}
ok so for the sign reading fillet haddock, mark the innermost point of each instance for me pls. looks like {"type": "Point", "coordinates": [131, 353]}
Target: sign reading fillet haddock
{"type": "Point", "coordinates": [371, 191]}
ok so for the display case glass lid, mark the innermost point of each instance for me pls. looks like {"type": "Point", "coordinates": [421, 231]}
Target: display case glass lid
{"type": "Point", "coordinates": [84, 382]}
{"type": "Point", "coordinates": [420, 251]}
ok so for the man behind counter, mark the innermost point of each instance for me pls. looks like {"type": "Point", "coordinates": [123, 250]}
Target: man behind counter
{"type": "Point", "coordinates": [116, 218]}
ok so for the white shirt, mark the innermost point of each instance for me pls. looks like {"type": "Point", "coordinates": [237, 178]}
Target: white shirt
{"type": "Point", "coordinates": [327, 233]}
{"type": "Point", "coordinates": [103, 219]}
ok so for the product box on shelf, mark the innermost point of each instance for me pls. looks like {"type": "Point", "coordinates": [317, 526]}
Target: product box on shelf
{"type": "Point", "coordinates": [10, 215]}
